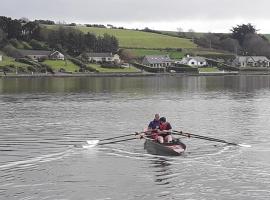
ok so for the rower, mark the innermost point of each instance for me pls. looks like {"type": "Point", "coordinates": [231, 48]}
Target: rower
{"type": "Point", "coordinates": [165, 130]}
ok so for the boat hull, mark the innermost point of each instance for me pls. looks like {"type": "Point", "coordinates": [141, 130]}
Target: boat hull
{"type": "Point", "coordinates": [176, 148]}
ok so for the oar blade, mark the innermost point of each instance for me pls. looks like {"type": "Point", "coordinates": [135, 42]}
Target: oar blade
{"type": "Point", "coordinates": [244, 145]}
{"type": "Point", "coordinates": [91, 143]}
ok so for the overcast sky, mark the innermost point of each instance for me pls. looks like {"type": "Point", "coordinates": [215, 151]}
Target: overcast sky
{"type": "Point", "coordinates": [199, 15]}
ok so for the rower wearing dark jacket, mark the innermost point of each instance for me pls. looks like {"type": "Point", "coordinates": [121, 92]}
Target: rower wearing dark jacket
{"type": "Point", "coordinates": [153, 128]}
{"type": "Point", "coordinates": [154, 125]}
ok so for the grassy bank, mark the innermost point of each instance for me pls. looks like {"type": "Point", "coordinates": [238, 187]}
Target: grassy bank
{"type": "Point", "coordinates": [56, 65]}
{"type": "Point", "coordinates": [174, 54]}
{"type": "Point", "coordinates": [118, 70]}
{"type": "Point", "coordinates": [8, 61]}
{"type": "Point", "coordinates": [209, 69]}
{"type": "Point", "coordinates": [138, 39]}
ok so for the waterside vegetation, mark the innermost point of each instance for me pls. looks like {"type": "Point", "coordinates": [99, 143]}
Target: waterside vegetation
{"type": "Point", "coordinates": [73, 43]}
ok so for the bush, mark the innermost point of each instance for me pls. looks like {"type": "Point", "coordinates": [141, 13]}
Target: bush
{"type": "Point", "coordinates": [83, 66]}
{"type": "Point", "coordinates": [31, 69]}
{"type": "Point", "coordinates": [62, 70]}
{"type": "Point", "coordinates": [111, 66]}
{"type": "Point", "coordinates": [11, 51]}
{"type": "Point", "coordinates": [6, 69]}
{"type": "Point", "coordinates": [218, 56]}
{"type": "Point", "coordinates": [15, 43]}
{"type": "Point", "coordinates": [42, 59]}
{"type": "Point", "coordinates": [46, 68]}
{"type": "Point", "coordinates": [29, 62]}
{"type": "Point", "coordinates": [37, 45]}
{"type": "Point", "coordinates": [183, 69]}
{"type": "Point", "coordinates": [21, 69]}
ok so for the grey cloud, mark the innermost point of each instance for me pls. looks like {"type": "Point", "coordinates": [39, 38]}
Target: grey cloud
{"type": "Point", "coordinates": [145, 11]}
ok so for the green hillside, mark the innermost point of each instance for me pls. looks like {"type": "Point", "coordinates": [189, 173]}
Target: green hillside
{"type": "Point", "coordinates": [56, 65]}
{"type": "Point", "coordinates": [267, 36]}
{"type": "Point", "coordinates": [8, 61]}
{"type": "Point", "coordinates": [139, 39]}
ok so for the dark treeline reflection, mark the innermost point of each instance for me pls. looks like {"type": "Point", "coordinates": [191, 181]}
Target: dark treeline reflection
{"type": "Point", "coordinates": [133, 84]}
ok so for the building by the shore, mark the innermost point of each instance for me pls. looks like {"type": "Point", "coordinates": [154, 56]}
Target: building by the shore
{"type": "Point", "coordinates": [251, 61]}
{"type": "Point", "coordinates": [40, 54]}
{"type": "Point", "coordinates": [195, 61]}
{"type": "Point", "coordinates": [157, 61]}
{"type": "Point", "coordinates": [103, 57]}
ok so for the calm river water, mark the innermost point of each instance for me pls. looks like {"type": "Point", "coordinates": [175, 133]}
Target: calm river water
{"type": "Point", "coordinates": [45, 121]}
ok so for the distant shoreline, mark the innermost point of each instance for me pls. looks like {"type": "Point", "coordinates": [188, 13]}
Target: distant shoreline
{"type": "Point", "coordinates": [131, 74]}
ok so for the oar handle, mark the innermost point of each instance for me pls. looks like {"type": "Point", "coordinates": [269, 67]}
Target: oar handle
{"type": "Point", "coordinates": [203, 137]}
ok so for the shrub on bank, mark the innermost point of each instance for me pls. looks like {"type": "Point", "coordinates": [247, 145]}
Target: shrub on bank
{"type": "Point", "coordinates": [183, 69]}
{"type": "Point", "coordinates": [111, 66]}
{"type": "Point", "coordinates": [83, 66]}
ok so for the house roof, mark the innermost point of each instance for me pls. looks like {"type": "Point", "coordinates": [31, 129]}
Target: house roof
{"type": "Point", "coordinates": [197, 58]}
{"type": "Point", "coordinates": [24, 52]}
{"type": "Point", "coordinates": [55, 52]}
{"type": "Point", "coordinates": [101, 55]}
{"type": "Point", "coordinates": [156, 59]}
{"type": "Point", "coordinates": [251, 59]}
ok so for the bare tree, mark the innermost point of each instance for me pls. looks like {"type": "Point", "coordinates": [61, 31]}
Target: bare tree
{"type": "Point", "coordinates": [180, 31]}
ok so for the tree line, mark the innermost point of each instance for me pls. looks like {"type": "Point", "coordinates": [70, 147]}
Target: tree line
{"type": "Point", "coordinates": [243, 40]}
{"type": "Point", "coordinates": [65, 39]}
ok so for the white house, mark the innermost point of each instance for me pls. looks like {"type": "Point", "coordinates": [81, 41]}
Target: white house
{"type": "Point", "coordinates": [103, 57]}
{"type": "Point", "coordinates": [251, 61]}
{"type": "Point", "coordinates": [39, 54]}
{"type": "Point", "coordinates": [158, 61]}
{"type": "Point", "coordinates": [56, 55]}
{"type": "Point", "coordinates": [194, 61]}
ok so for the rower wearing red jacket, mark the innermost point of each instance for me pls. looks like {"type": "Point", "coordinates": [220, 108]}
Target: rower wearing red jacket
{"type": "Point", "coordinates": [165, 129]}
{"type": "Point", "coordinates": [160, 129]}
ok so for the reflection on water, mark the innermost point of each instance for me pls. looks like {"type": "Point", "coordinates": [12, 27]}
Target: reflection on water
{"type": "Point", "coordinates": [161, 167]}
{"type": "Point", "coordinates": [133, 84]}
{"type": "Point", "coordinates": [43, 121]}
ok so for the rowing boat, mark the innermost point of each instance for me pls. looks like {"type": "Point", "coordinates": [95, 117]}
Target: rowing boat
{"type": "Point", "coordinates": [175, 148]}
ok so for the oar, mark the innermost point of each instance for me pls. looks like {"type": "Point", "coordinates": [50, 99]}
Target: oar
{"type": "Point", "coordinates": [118, 141]}
{"type": "Point", "coordinates": [207, 138]}
{"type": "Point", "coordinates": [92, 143]}
{"type": "Point", "coordinates": [111, 138]}
{"type": "Point", "coordinates": [117, 137]}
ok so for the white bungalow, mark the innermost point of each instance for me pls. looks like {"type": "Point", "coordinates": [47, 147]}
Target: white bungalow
{"type": "Point", "coordinates": [194, 61]}
{"type": "Point", "coordinates": [103, 57]}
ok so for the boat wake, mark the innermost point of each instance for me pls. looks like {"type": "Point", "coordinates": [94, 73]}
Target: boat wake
{"type": "Point", "coordinates": [39, 159]}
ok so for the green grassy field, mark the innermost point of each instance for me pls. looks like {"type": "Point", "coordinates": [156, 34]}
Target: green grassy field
{"type": "Point", "coordinates": [267, 36]}
{"type": "Point", "coordinates": [139, 39]}
{"type": "Point", "coordinates": [7, 61]}
{"type": "Point", "coordinates": [56, 65]}
{"type": "Point", "coordinates": [175, 33]}
{"type": "Point", "coordinates": [208, 69]}
{"type": "Point", "coordinates": [125, 70]}
{"type": "Point", "coordinates": [172, 53]}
